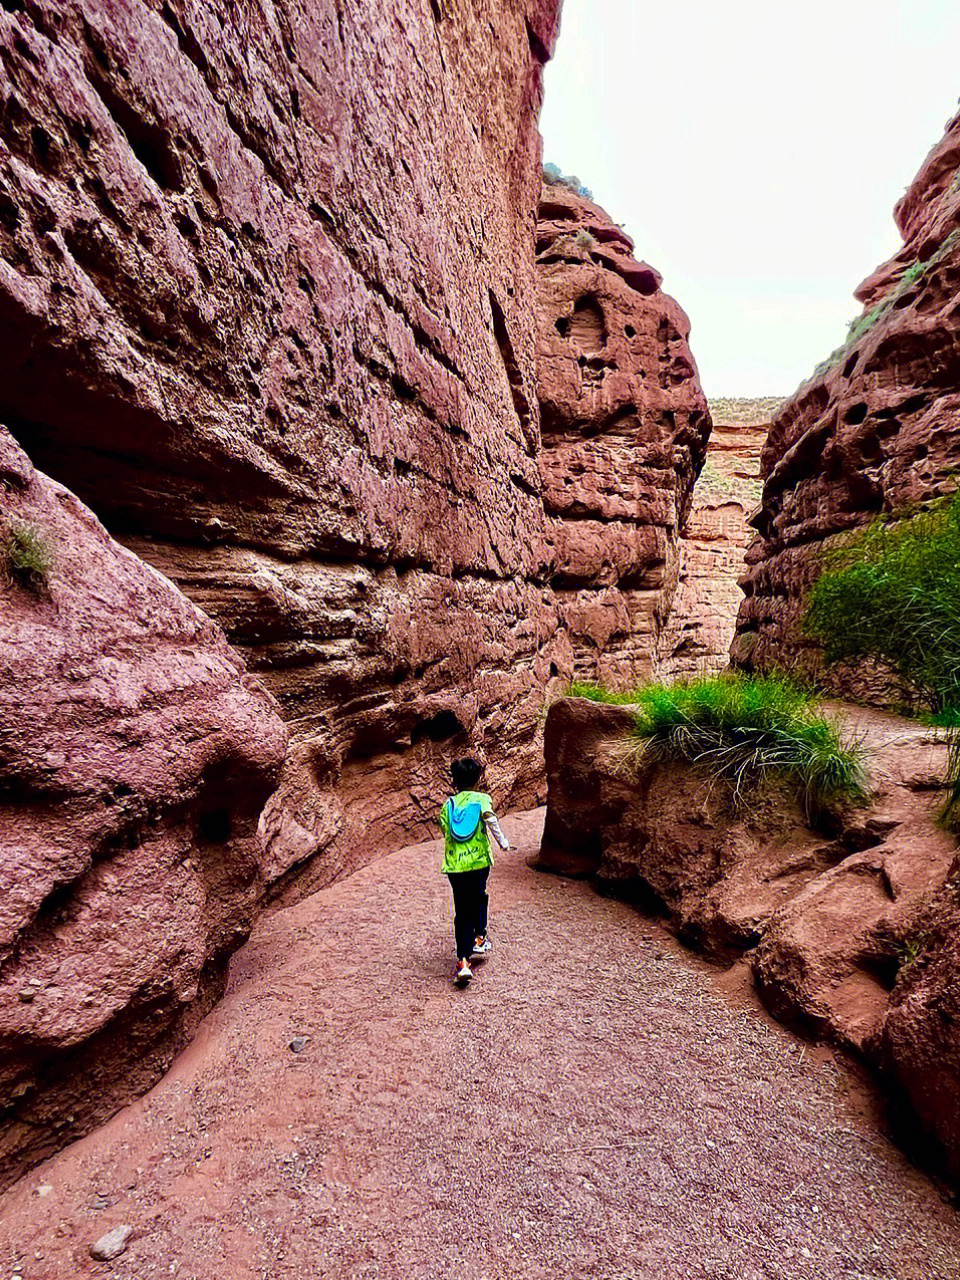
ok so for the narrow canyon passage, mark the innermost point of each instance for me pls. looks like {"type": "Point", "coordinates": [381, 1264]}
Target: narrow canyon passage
{"type": "Point", "coordinates": [591, 1106]}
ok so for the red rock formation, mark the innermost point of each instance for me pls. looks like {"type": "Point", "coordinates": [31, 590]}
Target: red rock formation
{"type": "Point", "coordinates": [266, 304]}
{"type": "Point", "coordinates": [624, 424]}
{"type": "Point", "coordinates": [660, 834]}
{"type": "Point", "coordinates": [830, 923]}
{"type": "Point", "coordinates": [135, 757]}
{"type": "Point", "coordinates": [873, 430]}
{"type": "Point", "coordinates": [921, 1032]}
{"type": "Point", "coordinates": [701, 624]}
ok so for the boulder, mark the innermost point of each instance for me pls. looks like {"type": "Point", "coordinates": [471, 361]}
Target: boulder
{"type": "Point", "coordinates": [662, 834]}
{"type": "Point", "coordinates": [829, 917]}
{"type": "Point", "coordinates": [135, 757]}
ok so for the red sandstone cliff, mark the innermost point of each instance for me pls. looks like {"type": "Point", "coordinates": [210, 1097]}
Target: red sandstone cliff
{"type": "Point", "coordinates": [267, 306]}
{"type": "Point", "coordinates": [872, 431]}
{"type": "Point", "coordinates": [624, 424]}
{"type": "Point", "coordinates": [704, 614]}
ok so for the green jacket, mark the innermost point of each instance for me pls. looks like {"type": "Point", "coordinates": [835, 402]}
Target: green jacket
{"type": "Point", "coordinates": [473, 854]}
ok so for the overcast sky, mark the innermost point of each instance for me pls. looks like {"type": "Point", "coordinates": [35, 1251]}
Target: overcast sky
{"type": "Point", "coordinates": [754, 149]}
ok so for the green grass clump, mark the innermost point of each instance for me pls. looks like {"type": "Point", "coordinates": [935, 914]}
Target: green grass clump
{"type": "Point", "coordinates": [744, 731]}
{"type": "Point", "coordinates": [892, 592]}
{"type": "Point", "coordinates": [25, 555]}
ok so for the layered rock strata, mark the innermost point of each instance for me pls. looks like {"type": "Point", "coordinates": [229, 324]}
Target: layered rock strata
{"type": "Point", "coordinates": [135, 758]}
{"type": "Point", "coordinates": [874, 429]}
{"type": "Point", "coordinates": [837, 926]}
{"type": "Point", "coordinates": [267, 305]}
{"type": "Point", "coordinates": [624, 425]}
{"type": "Point", "coordinates": [697, 637]}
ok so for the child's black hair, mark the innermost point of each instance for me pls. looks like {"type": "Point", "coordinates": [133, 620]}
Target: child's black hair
{"type": "Point", "coordinates": [465, 773]}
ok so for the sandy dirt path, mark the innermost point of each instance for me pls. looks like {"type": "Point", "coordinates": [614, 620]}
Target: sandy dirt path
{"type": "Point", "coordinates": [592, 1106]}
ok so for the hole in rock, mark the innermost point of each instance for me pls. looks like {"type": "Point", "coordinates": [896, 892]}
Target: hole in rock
{"type": "Point", "coordinates": [588, 329]}
{"type": "Point", "coordinates": [554, 669]}
{"type": "Point", "coordinates": [851, 364]}
{"type": "Point", "coordinates": [855, 414]}
{"type": "Point", "coordinates": [561, 325]}
{"type": "Point", "coordinates": [214, 826]}
{"type": "Point", "coordinates": [439, 728]}
{"type": "Point", "coordinates": [629, 331]}
{"type": "Point", "coordinates": [42, 144]}
{"type": "Point", "coordinates": [557, 212]}
{"type": "Point", "coordinates": [882, 969]}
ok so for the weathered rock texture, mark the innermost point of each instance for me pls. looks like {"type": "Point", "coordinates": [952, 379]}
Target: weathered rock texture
{"type": "Point", "coordinates": [921, 1032]}
{"type": "Point", "coordinates": [624, 424]}
{"type": "Point", "coordinates": [873, 430]}
{"type": "Point", "coordinates": [135, 758]}
{"type": "Point", "coordinates": [267, 305]}
{"type": "Point", "coordinates": [701, 624]}
{"type": "Point", "coordinates": [830, 922]}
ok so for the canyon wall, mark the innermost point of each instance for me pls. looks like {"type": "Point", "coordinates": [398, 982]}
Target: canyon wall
{"type": "Point", "coordinates": [135, 759]}
{"type": "Point", "coordinates": [267, 306]}
{"type": "Point", "coordinates": [624, 425]}
{"type": "Point", "coordinates": [697, 637]}
{"type": "Point", "coordinates": [873, 430]}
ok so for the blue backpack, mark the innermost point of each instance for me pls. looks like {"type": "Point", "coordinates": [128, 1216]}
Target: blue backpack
{"type": "Point", "coordinates": [464, 822]}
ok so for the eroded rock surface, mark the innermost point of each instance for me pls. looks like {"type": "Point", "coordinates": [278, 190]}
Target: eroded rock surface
{"type": "Point", "coordinates": [831, 923]}
{"type": "Point", "coordinates": [624, 424]}
{"type": "Point", "coordinates": [701, 623]}
{"type": "Point", "coordinates": [921, 1031]}
{"type": "Point", "coordinates": [267, 305]}
{"type": "Point", "coordinates": [135, 758]}
{"type": "Point", "coordinates": [873, 430]}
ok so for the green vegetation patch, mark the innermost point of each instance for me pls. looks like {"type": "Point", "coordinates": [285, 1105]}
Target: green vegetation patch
{"type": "Point", "coordinates": [731, 410]}
{"type": "Point", "coordinates": [25, 555]}
{"type": "Point", "coordinates": [713, 483]}
{"type": "Point", "coordinates": [861, 324]}
{"type": "Point", "coordinates": [745, 731]}
{"type": "Point", "coordinates": [554, 176]}
{"type": "Point", "coordinates": [891, 591]}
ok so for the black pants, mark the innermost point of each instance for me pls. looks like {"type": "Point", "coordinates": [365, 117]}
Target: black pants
{"type": "Point", "coordinates": [469, 907]}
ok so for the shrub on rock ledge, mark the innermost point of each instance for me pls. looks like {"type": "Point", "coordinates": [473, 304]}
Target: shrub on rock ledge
{"type": "Point", "coordinates": [26, 555]}
{"type": "Point", "coordinates": [744, 731]}
{"type": "Point", "coordinates": [892, 592]}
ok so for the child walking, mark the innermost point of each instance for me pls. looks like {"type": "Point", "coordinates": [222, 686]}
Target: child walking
{"type": "Point", "coordinates": [465, 819]}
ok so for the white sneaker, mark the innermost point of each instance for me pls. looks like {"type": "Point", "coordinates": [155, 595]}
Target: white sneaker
{"type": "Point", "coordinates": [463, 975]}
{"type": "Point", "coordinates": [481, 949]}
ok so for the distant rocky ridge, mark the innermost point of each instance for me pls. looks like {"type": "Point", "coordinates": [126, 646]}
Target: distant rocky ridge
{"type": "Point", "coordinates": [697, 636]}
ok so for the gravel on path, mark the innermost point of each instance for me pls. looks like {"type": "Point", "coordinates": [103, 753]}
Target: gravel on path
{"type": "Point", "coordinates": [592, 1106]}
